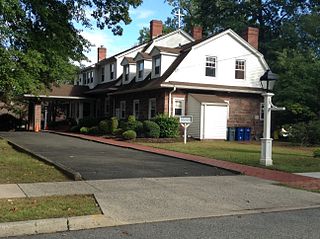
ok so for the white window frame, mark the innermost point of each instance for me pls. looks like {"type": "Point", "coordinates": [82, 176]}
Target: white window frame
{"type": "Point", "coordinates": [149, 108]}
{"type": "Point", "coordinates": [183, 106]}
{"type": "Point", "coordinates": [112, 73]}
{"type": "Point", "coordinates": [240, 68]}
{"type": "Point", "coordinates": [261, 113]}
{"type": "Point", "coordinates": [155, 65]}
{"type": "Point", "coordinates": [122, 109]}
{"type": "Point", "coordinates": [136, 111]}
{"type": "Point", "coordinates": [212, 65]}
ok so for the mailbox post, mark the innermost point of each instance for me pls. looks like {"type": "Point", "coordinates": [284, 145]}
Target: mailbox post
{"type": "Point", "coordinates": [185, 122]}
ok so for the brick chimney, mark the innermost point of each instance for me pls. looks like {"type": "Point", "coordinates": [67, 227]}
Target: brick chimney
{"type": "Point", "coordinates": [102, 53]}
{"type": "Point", "coordinates": [251, 35]}
{"type": "Point", "coordinates": [196, 32]}
{"type": "Point", "coordinates": [155, 28]}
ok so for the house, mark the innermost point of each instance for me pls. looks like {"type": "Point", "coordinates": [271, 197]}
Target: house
{"type": "Point", "coordinates": [215, 79]}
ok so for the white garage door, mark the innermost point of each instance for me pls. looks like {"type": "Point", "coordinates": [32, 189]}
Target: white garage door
{"type": "Point", "coordinates": [215, 122]}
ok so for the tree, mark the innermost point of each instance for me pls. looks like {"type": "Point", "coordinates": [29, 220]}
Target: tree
{"type": "Point", "coordinates": [39, 40]}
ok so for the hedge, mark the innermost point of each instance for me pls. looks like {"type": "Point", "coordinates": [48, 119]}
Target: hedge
{"type": "Point", "coordinates": [151, 129]}
{"type": "Point", "coordinates": [169, 126]}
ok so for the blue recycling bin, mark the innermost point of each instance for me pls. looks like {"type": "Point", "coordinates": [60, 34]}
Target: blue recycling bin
{"type": "Point", "coordinates": [239, 134]}
{"type": "Point", "coordinates": [247, 134]}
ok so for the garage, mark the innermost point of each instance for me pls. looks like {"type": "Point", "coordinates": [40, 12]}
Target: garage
{"type": "Point", "coordinates": [210, 115]}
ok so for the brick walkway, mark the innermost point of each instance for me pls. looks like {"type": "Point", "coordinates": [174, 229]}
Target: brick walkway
{"type": "Point", "coordinates": [289, 179]}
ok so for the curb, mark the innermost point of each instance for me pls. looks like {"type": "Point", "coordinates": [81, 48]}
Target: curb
{"type": "Point", "coordinates": [54, 225]}
{"type": "Point", "coordinates": [66, 170]}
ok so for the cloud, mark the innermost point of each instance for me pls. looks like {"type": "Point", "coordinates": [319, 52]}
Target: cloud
{"type": "Point", "coordinates": [140, 13]}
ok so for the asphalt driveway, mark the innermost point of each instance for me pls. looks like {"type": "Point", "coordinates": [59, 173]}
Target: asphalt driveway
{"type": "Point", "coordinates": [96, 161]}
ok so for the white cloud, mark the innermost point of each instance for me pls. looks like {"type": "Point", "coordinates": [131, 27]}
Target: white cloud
{"type": "Point", "coordinates": [140, 13]}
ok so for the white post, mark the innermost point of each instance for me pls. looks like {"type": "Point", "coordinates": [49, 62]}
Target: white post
{"type": "Point", "coordinates": [185, 133]}
{"type": "Point", "coordinates": [266, 141]}
{"type": "Point", "coordinates": [45, 118]}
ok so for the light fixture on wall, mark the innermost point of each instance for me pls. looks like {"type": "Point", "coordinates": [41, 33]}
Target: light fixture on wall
{"type": "Point", "coordinates": [268, 81]}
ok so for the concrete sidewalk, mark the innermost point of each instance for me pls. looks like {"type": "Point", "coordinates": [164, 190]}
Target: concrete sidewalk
{"type": "Point", "coordinates": [294, 180]}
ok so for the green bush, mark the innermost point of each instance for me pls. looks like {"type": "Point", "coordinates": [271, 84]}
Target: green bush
{"type": "Point", "coordinates": [118, 132]}
{"type": "Point", "coordinates": [88, 122]}
{"type": "Point", "coordinates": [138, 128]}
{"type": "Point", "coordinates": [314, 132]}
{"type": "Point", "coordinates": [131, 123]}
{"type": "Point", "coordinates": [169, 126]}
{"type": "Point", "coordinates": [316, 153]}
{"type": "Point", "coordinates": [129, 134]}
{"type": "Point", "coordinates": [75, 128]}
{"type": "Point", "coordinates": [305, 133]}
{"type": "Point", "coordinates": [114, 124]}
{"type": "Point", "coordinates": [151, 129]}
{"type": "Point", "coordinates": [94, 130]}
{"type": "Point", "coordinates": [104, 126]}
{"type": "Point", "coordinates": [84, 130]}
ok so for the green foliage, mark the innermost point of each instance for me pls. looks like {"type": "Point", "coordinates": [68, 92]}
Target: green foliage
{"type": "Point", "coordinates": [151, 129]}
{"type": "Point", "coordinates": [169, 126]}
{"type": "Point", "coordinates": [139, 128]}
{"type": "Point", "coordinates": [94, 130]}
{"type": "Point", "coordinates": [114, 124]}
{"type": "Point", "coordinates": [84, 130]}
{"type": "Point", "coordinates": [305, 133]}
{"type": "Point", "coordinates": [104, 126]}
{"type": "Point", "coordinates": [316, 153]}
{"type": "Point", "coordinates": [118, 132]}
{"type": "Point", "coordinates": [129, 134]}
{"type": "Point", "coordinates": [39, 39]}
{"type": "Point", "coordinates": [88, 122]}
{"type": "Point", "coordinates": [75, 128]}
{"type": "Point", "coordinates": [314, 132]}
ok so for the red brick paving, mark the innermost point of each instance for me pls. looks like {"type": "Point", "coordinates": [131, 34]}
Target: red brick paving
{"type": "Point", "coordinates": [289, 179]}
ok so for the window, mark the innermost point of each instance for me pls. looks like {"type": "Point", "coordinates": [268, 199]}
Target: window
{"type": "Point", "coordinates": [140, 69]}
{"type": "Point", "coordinates": [84, 76]}
{"type": "Point", "coordinates": [126, 72]}
{"type": "Point", "coordinates": [122, 109]}
{"type": "Point", "coordinates": [240, 69]}
{"type": "Point", "coordinates": [211, 63]}
{"type": "Point", "coordinates": [136, 108]}
{"type": "Point", "coordinates": [178, 107]}
{"type": "Point", "coordinates": [157, 65]}
{"type": "Point", "coordinates": [152, 108]}
{"type": "Point", "coordinates": [91, 76]}
{"type": "Point", "coordinates": [102, 74]}
{"type": "Point", "coordinates": [111, 71]}
{"type": "Point", "coordinates": [261, 111]}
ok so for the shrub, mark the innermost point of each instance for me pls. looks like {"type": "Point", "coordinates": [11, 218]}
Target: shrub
{"type": "Point", "coordinates": [104, 126]}
{"type": "Point", "coordinates": [169, 126]}
{"type": "Point", "coordinates": [84, 130]}
{"type": "Point", "coordinates": [151, 129]}
{"type": "Point", "coordinates": [94, 130]}
{"type": "Point", "coordinates": [129, 134]}
{"type": "Point", "coordinates": [305, 133]}
{"type": "Point", "coordinates": [316, 153]}
{"type": "Point", "coordinates": [88, 122]}
{"type": "Point", "coordinates": [131, 123]}
{"type": "Point", "coordinates": [138, 128]}
{"type": "Point", "coordinates": [75, 128]}
{"type": "Point", "coordinates": [314, 132]}
{"type": "Point", "coordinates": [114, 124]}
{"type": "Point", "coordinates": [118, 132]}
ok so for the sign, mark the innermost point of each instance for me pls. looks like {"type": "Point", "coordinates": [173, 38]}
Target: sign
{"type": "Point", "coordinates": [186, 119]}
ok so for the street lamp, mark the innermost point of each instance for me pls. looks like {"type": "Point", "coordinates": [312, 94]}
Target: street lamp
{"type": "Point", "coordinates": [267, 81]}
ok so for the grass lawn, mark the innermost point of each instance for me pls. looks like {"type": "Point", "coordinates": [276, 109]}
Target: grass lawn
{"type": "Point", "coordinates": [17, 167]}
{"type": "Point", "coordinates": [285, 158]}
{"type": "Point", "coordinates": [47, 207]}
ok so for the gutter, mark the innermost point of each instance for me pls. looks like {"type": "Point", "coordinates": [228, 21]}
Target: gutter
{"type": "Point", "coordinates": [170, 93]}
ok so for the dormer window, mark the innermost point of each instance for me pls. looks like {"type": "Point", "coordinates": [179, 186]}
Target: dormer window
{"type": "Point", "coordinates": [211, 63]}
{"type": "Point", "coordinates": [240, 69]}
{"type": "Point", "coordinates": [91, 76]}
{"type": "Point", "coordinates": [157, 63]}
{"type": "Point", "coordinates": [140, 69]}
{"type": "Point", "coordinates": [84, 76]}
{"type": "Point", "coordinates": [88, 77]}
{"type": "Point", "coordinates": [102, 74]}
{"type": "Point", "coordinates": [126, 72]}
{"type": "Point", "coordinates": [111, 71]}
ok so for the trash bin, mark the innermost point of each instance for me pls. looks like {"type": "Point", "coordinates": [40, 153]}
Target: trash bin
{"type": "Point", "coordinates": [247, 134]}
{"type": "Point", "coordinates": [239, 134]}
{"type": "Point", "coordinates": [231, 136]}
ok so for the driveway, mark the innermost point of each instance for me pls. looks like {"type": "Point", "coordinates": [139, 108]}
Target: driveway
{"type": "Point", "coordinates": [95, 161]}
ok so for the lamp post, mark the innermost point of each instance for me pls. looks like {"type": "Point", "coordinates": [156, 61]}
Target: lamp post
{"type": "Point", "coordinates": [267, 81]}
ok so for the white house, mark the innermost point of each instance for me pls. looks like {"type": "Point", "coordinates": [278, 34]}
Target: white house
{"type": "Point", "coordinates": [215, 79]}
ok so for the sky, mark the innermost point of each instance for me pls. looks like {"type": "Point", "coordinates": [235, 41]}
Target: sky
{"type": "Point", "coordinates": [141, 17]}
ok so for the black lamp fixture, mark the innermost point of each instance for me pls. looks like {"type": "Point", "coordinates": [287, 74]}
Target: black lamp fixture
{"type": "Point", "coordinates": [268, 80]}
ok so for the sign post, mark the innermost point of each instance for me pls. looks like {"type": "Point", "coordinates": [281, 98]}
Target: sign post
{"type": "Point", "coordinates": [185, 121]}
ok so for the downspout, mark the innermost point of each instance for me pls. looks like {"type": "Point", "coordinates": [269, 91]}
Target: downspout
{"type": "Point", "coordinates": [174, 89]}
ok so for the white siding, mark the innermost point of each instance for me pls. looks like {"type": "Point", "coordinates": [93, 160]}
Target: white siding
{"type": "Point", "coordinates": [194, 109]}
{"type": "Point", "coordinates": [227, 49]}
{"type": "Point", "coordinates": [166, 62]}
